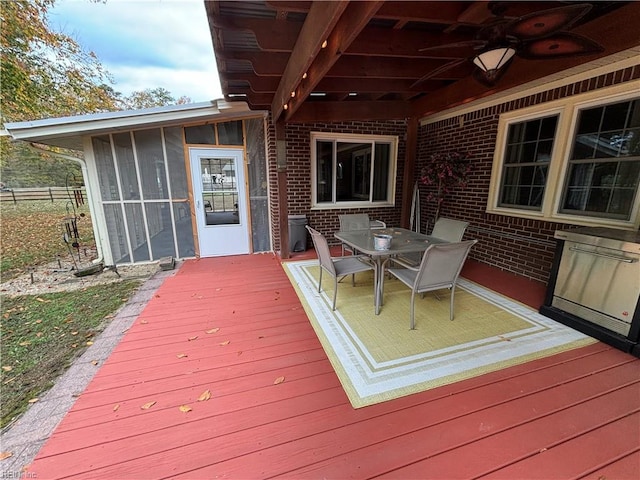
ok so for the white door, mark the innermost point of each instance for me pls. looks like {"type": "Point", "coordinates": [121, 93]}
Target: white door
{"type": "Point", "coordinates": [220, 201]}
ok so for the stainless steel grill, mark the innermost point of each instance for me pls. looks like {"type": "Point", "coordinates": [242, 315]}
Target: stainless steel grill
{"type": "Point", "coordinates": [598, 282]}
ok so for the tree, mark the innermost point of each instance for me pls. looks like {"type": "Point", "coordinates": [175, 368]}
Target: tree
{"type": "Point", "coordinates": [149, 98]}
{"type": "Point", "coordinates": [44, 73]}
{"type": "Point", "coordinates": [48, 74]}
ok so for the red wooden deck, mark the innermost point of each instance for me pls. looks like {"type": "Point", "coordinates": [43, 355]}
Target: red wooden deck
{"type": "Point", "coordinates": [573, 415]}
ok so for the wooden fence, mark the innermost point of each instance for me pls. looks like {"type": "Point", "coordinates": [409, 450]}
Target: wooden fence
{"type": "Point", "coordinates": [76, 194]}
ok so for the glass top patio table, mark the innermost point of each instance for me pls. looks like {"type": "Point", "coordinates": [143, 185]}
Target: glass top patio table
{"type": "Point", "coordinates": [403, 241]}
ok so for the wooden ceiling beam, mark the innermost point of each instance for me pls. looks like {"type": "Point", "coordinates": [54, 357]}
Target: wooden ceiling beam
{"type": "Point", "coordinates": [264, 84]}
{"type": "Point", "coordinates": [354, 18]}
{"type": "Point", "coordinates": [376, 41]}
{"type": "Point", "coordinates": [350, 111]}
{"type": "Point", "coordinates": [434, 12]}
{"type": "Point", "coordinates": [347, 66]}
{"type": "Point", "coordinates": [320, 22]}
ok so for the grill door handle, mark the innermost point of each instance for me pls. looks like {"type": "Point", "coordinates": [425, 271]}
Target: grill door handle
{"type": "Point", "coordinates": [605, 255]}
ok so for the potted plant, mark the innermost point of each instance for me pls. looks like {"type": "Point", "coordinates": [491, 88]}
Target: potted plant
{"type": "Point", "coordinates": [444, 172]}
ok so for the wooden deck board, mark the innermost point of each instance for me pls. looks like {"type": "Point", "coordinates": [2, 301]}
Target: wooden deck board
{"type": "Point", "coordinates": [305, 427]}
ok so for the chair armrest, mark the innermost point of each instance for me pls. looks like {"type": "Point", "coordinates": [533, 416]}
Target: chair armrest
{"type": "Point", "coordinates": [377, 224]}
{"type": "Point", "coordinates": [405, 264]}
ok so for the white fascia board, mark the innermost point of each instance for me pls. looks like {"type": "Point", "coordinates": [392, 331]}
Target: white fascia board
{"type": "Point", "coordinates": [122, 120]}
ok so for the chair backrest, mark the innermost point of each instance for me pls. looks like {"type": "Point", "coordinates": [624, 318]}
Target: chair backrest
{"type": "Point", "coordinates": [322, 249]}
{"type": "Point", "coordinates": [442, 263]}
{"type": "Point", "coordinates": [354, 221]}
{"type": "Point", "coordinates": [449, 229]}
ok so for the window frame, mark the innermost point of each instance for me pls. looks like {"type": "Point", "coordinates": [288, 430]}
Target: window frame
{"type": "Point", "coordinates": [392, 140]}
{"type": "Point", "coordinates": [568, 110]}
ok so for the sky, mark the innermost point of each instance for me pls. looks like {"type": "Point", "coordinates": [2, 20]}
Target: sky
{"type": "Point", "coordinates": [145, 44]}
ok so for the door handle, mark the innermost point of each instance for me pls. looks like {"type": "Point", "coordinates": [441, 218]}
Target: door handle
{"type": "Point", "coordinates": [619, 258]}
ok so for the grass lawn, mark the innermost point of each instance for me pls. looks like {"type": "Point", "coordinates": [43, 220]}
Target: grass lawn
{"type": "Point", "coordinates": [43, 334]}
{"type": "Point", "coordinates": [32, 233]}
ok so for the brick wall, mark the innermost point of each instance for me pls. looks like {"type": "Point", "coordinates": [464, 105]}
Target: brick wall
{"type": "Point", "coordinates": [298, 140]}
{"type": "Point", "coordinates": [518, 245]}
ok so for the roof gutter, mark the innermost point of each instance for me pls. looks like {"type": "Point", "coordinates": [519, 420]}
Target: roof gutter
{"type": "Point", "coordinates": [83, 166]}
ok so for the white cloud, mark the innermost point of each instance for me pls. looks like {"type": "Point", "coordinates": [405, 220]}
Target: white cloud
{"type": "Point", "coordinates": [146, 44]}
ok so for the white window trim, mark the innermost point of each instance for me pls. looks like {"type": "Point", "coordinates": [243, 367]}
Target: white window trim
{"type": "Point", "coordinates": [362, 138]}
{"type": "Point", "coordinates": [567, 109]}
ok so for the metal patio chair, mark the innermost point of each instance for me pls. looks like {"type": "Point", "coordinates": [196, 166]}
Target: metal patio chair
{"type": "Point", "coordinates": [337, 266]}
{"type": "Point", "coordinates": [440, 268]}
{"type": "Point", "coordinates": [357, 221]}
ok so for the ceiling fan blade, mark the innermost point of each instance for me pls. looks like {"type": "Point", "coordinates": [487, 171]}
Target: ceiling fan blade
{"type": "Point", "coordinates": [466, 43]}
{"type": "Point", "coordinates": [541, 24]}
{"type": "Point", "coordinates": [562, 44]}
{"type": "Point", "coordinates": [438, 71]}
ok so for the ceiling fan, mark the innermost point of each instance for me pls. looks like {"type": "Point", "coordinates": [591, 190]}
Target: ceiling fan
{"type": "Point", "coordinates": [538, 35]}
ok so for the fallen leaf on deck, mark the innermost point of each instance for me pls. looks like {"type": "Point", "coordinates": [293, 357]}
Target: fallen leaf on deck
{"type": "Point", "coordinates": [182, 355]}
{"type": "Point", "coordinates": [144, 322]}
{"type": "Point", "coordinates": [147, 405]}
{"type": "Point", "coordinates": [213, 330]}
{"type": "Point", "coordinates": [4, 455]}
{"type": "Point", "coordinates": [227, 342]}
{"type": "Point", "coordinates": [206, 395]}
{"type": "Point", "coordinates": [192, 338]}
{"type": "Point", "coordinates": [116, 407]}
{"type": "Point", "coordinates": [278, 380]}
{"type": "Point", "coordinates": [185, 408]}
{"type": "Point", "coordinates": [94, 362]}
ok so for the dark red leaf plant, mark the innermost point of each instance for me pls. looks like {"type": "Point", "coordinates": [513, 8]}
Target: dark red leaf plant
{"type": "Point", "coordinates": [445, 172]}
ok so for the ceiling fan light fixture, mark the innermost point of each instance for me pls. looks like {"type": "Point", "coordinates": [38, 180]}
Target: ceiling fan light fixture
{"type": "Point", "coordinates": [494, 59]}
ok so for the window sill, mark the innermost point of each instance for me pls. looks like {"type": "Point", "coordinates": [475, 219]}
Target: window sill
{"type": "Point", "coordinates": [342, 206]}
{"type": "Point", "coordinates": [566, 219]}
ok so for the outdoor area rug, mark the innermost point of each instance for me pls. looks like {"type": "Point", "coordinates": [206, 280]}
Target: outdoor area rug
{"type": "Point", "coordinates": [378, 358]}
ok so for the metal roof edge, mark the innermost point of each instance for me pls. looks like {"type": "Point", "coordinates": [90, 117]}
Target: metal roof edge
{"type": "Point", "coordinates": [85, 124]}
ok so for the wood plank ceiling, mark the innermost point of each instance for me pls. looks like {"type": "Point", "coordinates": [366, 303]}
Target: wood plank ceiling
{"type": "Point", "coordinates": [364, 60]}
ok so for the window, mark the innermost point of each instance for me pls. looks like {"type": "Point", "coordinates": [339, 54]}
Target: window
{"type": "Point", "coordinates": [604, 165]}
{"type": "Point", "coordinates": [575, 160]}
{"type": "Point", "coordinates": [353, 170]}
{"type": "Point", "coordinates": [526, 163]}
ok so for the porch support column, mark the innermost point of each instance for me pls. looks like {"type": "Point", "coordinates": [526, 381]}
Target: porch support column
{"type": "Point", "coordinates": [283, 204]}
{"type": "Point", "coordinates": [409, 167]}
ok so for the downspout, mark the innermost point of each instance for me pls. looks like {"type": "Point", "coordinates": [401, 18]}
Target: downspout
{"type": "Point", "coordinates": [85, 175]}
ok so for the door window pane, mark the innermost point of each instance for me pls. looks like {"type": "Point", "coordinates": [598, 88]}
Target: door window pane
{"type": "Point", "coordinates": [219, 191]}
